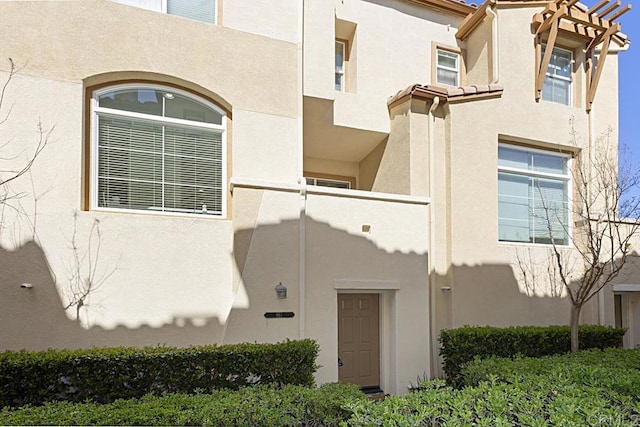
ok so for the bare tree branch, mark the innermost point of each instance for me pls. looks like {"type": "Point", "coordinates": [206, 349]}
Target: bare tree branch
{"type": "Point", "coordinates": [606, 221]}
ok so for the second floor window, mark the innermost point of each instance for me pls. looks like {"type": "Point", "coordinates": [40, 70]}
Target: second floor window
{"type": "Point", "coordinates": [557, 83]}
{"type": "Point", "coordinates": [533, 196]}
{"type": "Point", "coordinates": [200, 10]}
{"type": "Point", "coordinates": [325, 182]}
{"type": "Point", "coordinates": [339, 65]}
{"type": "Point", "coordinates": [447, 68]}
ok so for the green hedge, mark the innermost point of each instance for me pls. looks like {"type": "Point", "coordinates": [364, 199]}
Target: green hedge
{"type": "Point", "coordinates": [591, 388]}
{"type": "Point", "coordinates": [250, 406]}
{"type": "Point", "coordinates": [462, 345]}
{"type": "Point", "coordinates": [105, 374]}
{"type": "Point", "coordinates": [612, 369]}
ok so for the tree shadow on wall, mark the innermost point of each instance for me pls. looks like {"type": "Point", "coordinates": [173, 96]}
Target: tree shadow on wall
{"type": "Point", "coordinates": [32, 313]}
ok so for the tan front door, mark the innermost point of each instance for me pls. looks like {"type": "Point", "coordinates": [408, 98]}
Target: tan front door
{"type": "Point", "coordinates": [358, 339]}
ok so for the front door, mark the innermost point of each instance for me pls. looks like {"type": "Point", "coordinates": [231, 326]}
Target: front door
{"type": "Point", "coordinates": [359, 340]}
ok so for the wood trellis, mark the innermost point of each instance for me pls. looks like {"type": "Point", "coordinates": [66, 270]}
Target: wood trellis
{"type": "Point", "coordinates": [595, 29]}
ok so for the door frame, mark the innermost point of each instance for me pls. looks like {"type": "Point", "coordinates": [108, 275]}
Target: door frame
{"type": "Point", "coordinates": [386, 324]}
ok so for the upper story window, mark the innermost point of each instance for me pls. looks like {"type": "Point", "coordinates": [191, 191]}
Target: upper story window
{"type": "Point", "coordinates": [447, 67]}
{"type": "Point", "coordinates": [200, 10]}
{"type": "Point", "coordinates": [326, 182]}
{"type": "Point", "coordinates": [157, 149]}
{"type": "Point", "coordinates": [557, 82]}
{"type": "Point", "coordinates": [533, 196]}
{"type": "Point", "coordinates": [341, 50]}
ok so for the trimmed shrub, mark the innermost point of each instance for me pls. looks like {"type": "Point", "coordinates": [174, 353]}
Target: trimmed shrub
{"type": "Point", "coordinates": [610, 369]}
{"type": "Point", "coordinates": [105, 374]}
{"type": "Point", "coordinates": [594, 388]}
{"type": "Point", "coordinates": [499, 404]}
{"type": "Point", "coordinates": [462, 345]}
{"type": "Point", "coordinates": [258, 405]}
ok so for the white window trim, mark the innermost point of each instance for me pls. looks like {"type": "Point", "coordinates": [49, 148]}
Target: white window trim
{"type": "Point", "coordinates": [341, 72]}
{"type": "Point", "coordinates": [443, 67]}
{"type": "Point", "coordinates": [556, 77]}
{"type": "Point", "coordinates": [95, 109]}
{"type": "Point", "coordinates": [537, 174]}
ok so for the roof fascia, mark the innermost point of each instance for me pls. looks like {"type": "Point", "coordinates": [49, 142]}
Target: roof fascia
{"type": "Point", "coordinates": [450, 6]}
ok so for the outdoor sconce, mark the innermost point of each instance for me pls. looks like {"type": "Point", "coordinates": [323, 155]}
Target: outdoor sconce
{"type": "Point", "coordinates": [281, 291]}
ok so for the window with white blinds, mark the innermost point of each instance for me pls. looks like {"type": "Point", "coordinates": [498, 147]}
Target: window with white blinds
{"type": "Point", "coordinates": [200, 10]}
{"type": "Point", "coordinates": [533, 196]}
{"type": "Point", "coordinates": [158, 150]}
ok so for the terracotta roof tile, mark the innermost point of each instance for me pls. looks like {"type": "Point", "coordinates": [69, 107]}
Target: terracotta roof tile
{"type": "Point", "coordinates": [446, 93]}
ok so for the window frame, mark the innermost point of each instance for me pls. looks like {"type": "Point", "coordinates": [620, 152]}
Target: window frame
{"type": "Point", "coordinates": [329, 177]}
{"type": "Point", "coordinates": [457, 70]}
{"type": "Point", "coordinates": [568, 178]}
{"type": "Point", "coordinates": [548, 75]}
{"type": "Point", "coordinates": [93, 164]}
{"type": "Point", "coordinates": [216, 8]}
{"type": "Point", "coordinates": [343, 72]}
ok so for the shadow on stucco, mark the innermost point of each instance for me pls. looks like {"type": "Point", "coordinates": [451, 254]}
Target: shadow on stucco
{"type": "Point", "coordinates": [479, 294]}
{"type": "Point", "coordinates": [34, 318]}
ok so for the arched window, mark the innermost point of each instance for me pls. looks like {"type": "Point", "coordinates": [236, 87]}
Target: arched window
{"type": "Point", "coordinates": [157, 149]}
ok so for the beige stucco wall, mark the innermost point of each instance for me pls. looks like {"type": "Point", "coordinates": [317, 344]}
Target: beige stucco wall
{"type": "Point", "coordinates": [482, 272]}
{"type": "Point", "coordinates": [164, 278]}
{"type": "Point", "coordinates": [390, 259]}
{"type": "Point", "coordinates": [394, 50]}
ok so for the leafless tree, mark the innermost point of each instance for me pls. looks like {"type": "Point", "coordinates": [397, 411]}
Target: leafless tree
{"type": "Point", "coordinates": [605, 214]}
{"type": "Point", "coordinates": [12, 173]}
{"type": "Point", "coordinates": [85, 276]}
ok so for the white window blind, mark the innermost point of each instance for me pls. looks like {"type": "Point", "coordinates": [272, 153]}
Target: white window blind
{"type": "Point", "coordinates": [533, 196]}
{"type": "Point", "coordinates": [324, 182]}
{"type": "Point", "coordinates": [200, 10]}
{"type": "Point", "coordinates": [149, 157]}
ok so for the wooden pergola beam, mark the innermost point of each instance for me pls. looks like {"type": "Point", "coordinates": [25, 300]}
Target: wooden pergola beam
{"type": "Point", "coordinates": [594, 79]}
{"type": "Point", "coordinates": [571, 27]}
{"type": "Point", "coordinates": [604, 35]}
{"type": "Point", "coordinates": [619, 13]}
{"type": "Point", "coordinates": [610, 9]}
{"type": "Point", "coordinates": [593, 84]}
{"type": "Point", "coordinates": [598, 6]}
{"type": "Point", "coordinates": [553, 19]}
{"type": "Point", "coordinates": [595, 29]}
{"type": "Point", "coordinates": [544, 64]}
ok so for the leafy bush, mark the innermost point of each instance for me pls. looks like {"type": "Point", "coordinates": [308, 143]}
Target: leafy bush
{"type": "Point", "coordinates": [610, 369]}
{"type": "Point", "coordinates": [258, 405]}
{"type": "Point", "coordinates": [595, 388]}
{"type": "Point", "coordinates": [494, 403]}
{"type": "Point", "coordinates": [106, 374]}
{"type": "Point", "coordinates": [462, 345]}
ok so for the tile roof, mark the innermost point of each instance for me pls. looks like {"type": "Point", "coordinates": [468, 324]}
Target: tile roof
{"type": "Point", "coordinates": [445, 94]}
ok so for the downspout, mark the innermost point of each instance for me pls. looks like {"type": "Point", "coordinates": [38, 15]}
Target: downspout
{"type": "Point", "coordinates": [432, 237]}
{"type": "Point", "coordinates": [302, 274]}
{"type": "Point", "coordinates": [495, 50]}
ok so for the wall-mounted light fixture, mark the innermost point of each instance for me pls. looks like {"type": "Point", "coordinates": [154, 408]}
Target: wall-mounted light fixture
{"type": "Point", "coordinates": [26, 286]}
{"type": "Point", "coordinates": [281, 291]}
